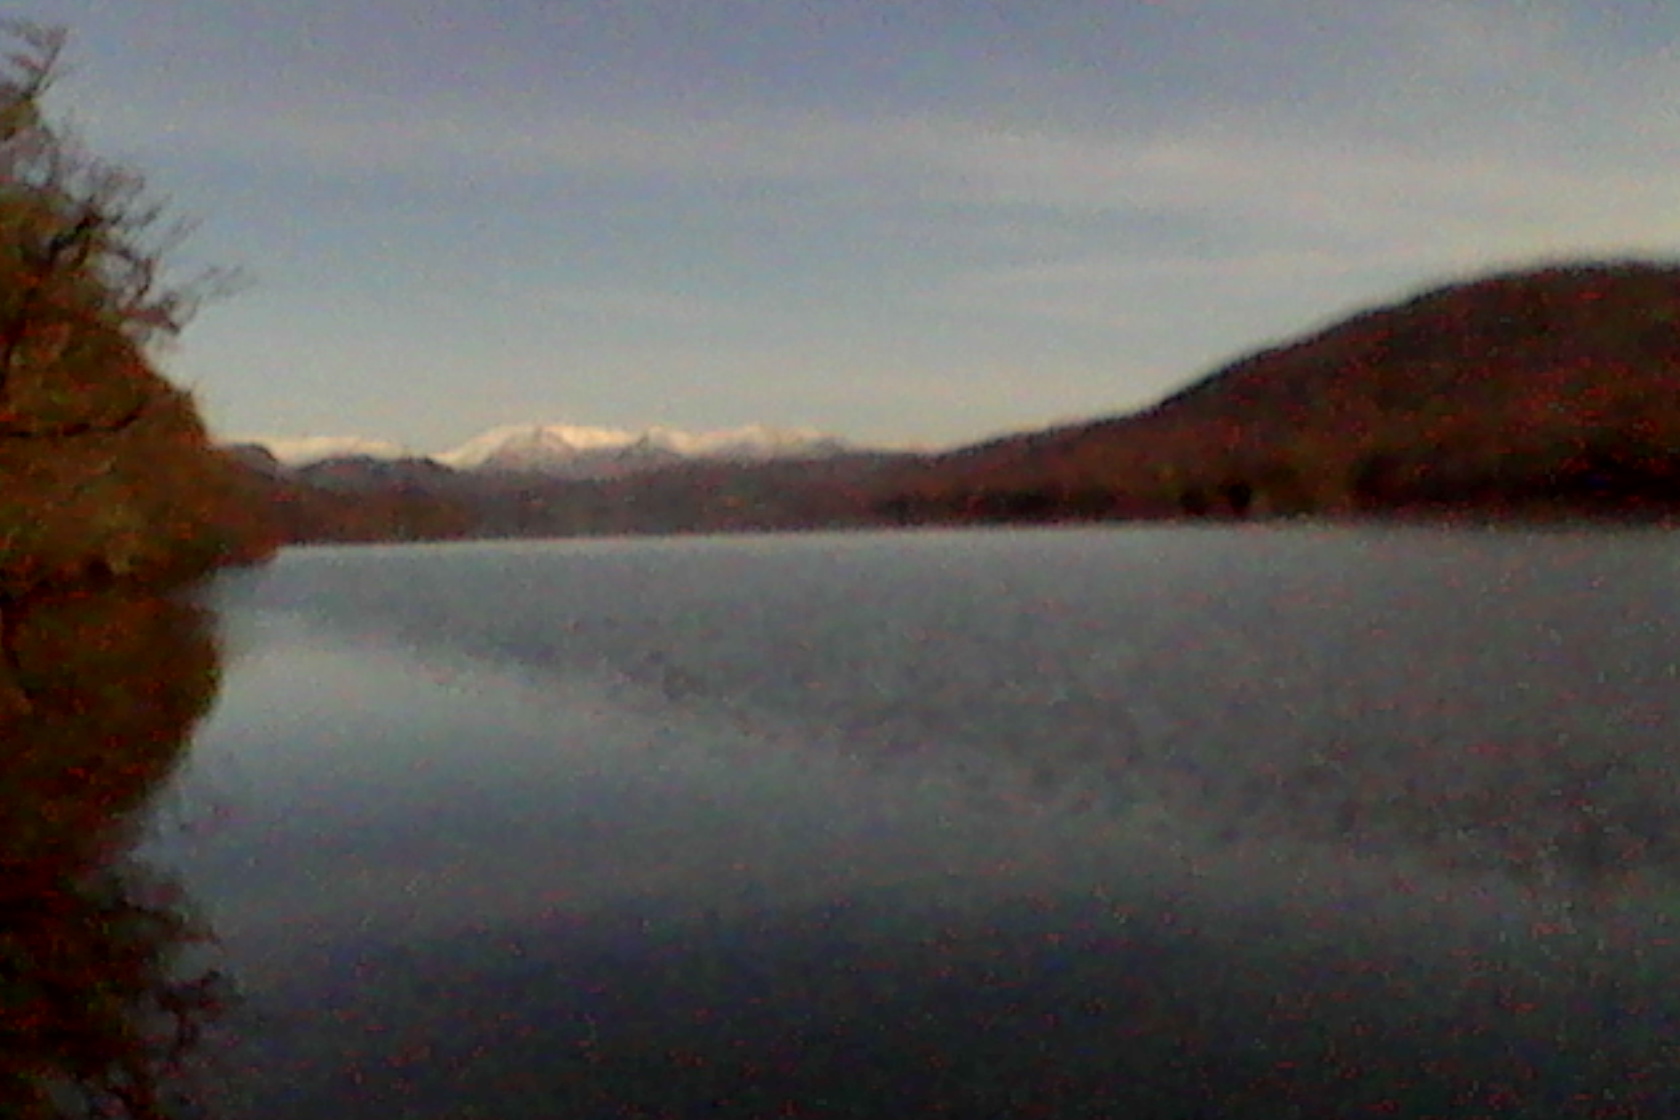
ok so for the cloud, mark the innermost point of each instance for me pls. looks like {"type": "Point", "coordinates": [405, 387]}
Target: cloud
{"type": "Point", "coordinates": [1321, 81]}
{"type": "Point", "coordinates": [1329, 186]}
{"type": "Point", "coordinates": [1261, 200]}
{"type": "Point", "coordinates": [634, 306]}
{"type": "Point", "coordinates": [1573, 149]}
{"type": "Point", "coordinates": [1121, 291]}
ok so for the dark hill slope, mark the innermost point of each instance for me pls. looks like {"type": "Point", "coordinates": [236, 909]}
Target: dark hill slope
{"type": "Point", "coordinates": [1549, 391]}
{"type": "Point", "coordinates": [357, 499]}
{"type": "Point", "coordinates": [694, 497]}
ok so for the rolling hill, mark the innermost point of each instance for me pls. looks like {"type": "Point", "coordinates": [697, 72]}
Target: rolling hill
{"type": "Point", "coordinates": [1547, 392]}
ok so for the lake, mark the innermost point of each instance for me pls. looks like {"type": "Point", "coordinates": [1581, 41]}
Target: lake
{"type": "Point", "coordinates": [1153, 821]}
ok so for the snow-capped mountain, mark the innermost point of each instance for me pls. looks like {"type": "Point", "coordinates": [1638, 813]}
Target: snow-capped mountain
{"type": "Point", "coordinates": [580, 451]}
{"type": "Point", "coordinates": [535, 447]}
{"type": "Point", "coordinates": [574, 451]}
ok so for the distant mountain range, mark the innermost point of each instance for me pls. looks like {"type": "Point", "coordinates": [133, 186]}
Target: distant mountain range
{"type": "Point", "coordinates": [563, 480]}
{"type": "Point", "coordinates": [1539, 394]}
{"type": "Point", "coordinates": [557, 450]}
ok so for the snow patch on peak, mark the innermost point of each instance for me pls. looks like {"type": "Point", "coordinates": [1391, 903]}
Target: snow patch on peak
{"type": "Point", "coordinates": [300, 451]}
{"type": "Point", "coordinates": [530, 445]}
{"type": "Point", "coordinates": [581, 451]}
{"type": "Point", "coordinates": [573, 450]}
{"type": "Point", "coordinates": [754, 441]}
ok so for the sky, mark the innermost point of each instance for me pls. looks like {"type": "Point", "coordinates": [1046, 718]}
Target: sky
{"type": "Point", "coordinates": [921, 222]}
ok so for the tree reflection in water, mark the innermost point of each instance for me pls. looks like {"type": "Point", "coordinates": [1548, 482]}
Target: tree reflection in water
{"type": "Point", "coordinates": [98, 1009]}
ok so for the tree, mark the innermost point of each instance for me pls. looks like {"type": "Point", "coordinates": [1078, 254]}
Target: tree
{"type": "Point", "coordinates": [106, 470]}
{"type": "Point", "coordinates": [84, 245]}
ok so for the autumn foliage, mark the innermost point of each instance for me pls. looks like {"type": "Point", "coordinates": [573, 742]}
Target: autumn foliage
{"type": "Point", "coordinates": [105, 468]}
{"type": "Point", "coordinates": [1542, 393]}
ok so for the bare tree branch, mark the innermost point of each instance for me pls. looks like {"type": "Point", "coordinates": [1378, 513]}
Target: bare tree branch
{"type": "Point", "coordinates": [83, 242]}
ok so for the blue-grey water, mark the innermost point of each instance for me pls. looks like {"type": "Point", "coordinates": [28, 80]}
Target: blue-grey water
{"type": "Point", "coordinates": [1118, 822]}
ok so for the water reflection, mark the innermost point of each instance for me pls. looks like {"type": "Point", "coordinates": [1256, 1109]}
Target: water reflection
{"type": "Point", "coordinates": [1491, 704]}
{"type": "Point", "coordinates": [693, 830]}
{"type": "Point", "coordinates": [99, 1011]}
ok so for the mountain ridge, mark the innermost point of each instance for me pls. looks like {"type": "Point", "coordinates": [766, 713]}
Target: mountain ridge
{"type": "Point", "coordinates": [565, 450]}
{"type": "Point", "coordinates": [1528, 395]}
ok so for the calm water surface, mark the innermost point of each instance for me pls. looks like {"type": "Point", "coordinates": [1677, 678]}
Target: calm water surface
{"type": "Point", "coordinates": [1136, 822]}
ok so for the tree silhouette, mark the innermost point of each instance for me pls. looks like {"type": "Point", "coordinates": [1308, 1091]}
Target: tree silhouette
{"type": "Point", "coordinates": [84, 245]}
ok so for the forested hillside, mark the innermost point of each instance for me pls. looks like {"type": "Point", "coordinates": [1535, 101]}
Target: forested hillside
{"type": "Point", "coordinates": [1550, 392]}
